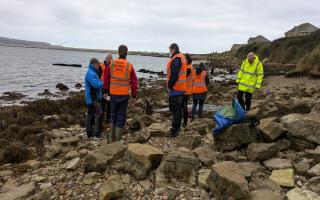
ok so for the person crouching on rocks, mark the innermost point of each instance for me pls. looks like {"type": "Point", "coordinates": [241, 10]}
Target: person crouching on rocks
{"type": "Point", "coordinates": [249, 78]}
{"type": "Point", "coordinates": [93, 97]}
{"type": "Point", "coordinates": [176, 84]}
{"type": "Point", "coordinates": [121, 77]}
{"type": "Point", "coordinates": [199, 89]}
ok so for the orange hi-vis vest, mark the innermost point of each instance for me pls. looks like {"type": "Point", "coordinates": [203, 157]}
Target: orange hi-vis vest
{"type": "Point", "coordinates": [199, 82]}
{"type": "Point", "coordinates": [180, 85]}
{"type": "Point", "coordinates": [103, 67]}
{"type": "Point", "coordinates": [189, 81]}
{"type": "Point", "coordinates": [120, 70]}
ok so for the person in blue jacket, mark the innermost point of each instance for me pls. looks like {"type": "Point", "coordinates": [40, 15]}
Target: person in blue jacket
{"type": "Point", "coordinates": [93, 96]}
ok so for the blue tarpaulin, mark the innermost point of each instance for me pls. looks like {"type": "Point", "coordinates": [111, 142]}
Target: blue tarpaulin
{"type": "Point", "coordinates": [228, 115]}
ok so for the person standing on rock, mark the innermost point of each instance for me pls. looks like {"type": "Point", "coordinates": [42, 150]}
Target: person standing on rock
{"type": "Point", "coordinates": [176, 84]}
{"type": "Point", "coordinates": [249, 78]}
{"type": "Point", "coordinates": [199, 89]}
{"type": "Point", "coordinates": [188, 90]}
{"type": "Point", "coordinates": [93, 96]}
{"type": "Point", "coordinates": [121, 77]}
{"type": "Point", "coordinates": [106, 107]}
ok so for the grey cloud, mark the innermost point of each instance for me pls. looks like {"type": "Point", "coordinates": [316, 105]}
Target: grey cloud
{"type": "Point", "coordinates": [198, 26]}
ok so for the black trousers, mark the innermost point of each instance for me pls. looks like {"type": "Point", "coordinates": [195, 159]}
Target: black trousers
{"type": "Point", "coordinates": [106, 109]}
{"type": "Point", "coordinates": [185, 109]}
{"type": "Point", "coordinates": [245, 103]}
{"type": "Point", "coordinates": [94, 119]}
{"type": "Point", "coordinates": [195, 105]}
{"type": "Point", "coordinates": [175, 106]}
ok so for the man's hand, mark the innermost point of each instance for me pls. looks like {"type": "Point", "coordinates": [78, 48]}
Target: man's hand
{"type": "Point", "coordinates": [105, 96]}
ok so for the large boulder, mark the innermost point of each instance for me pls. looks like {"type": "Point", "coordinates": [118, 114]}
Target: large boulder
{"type": "Point", "coordinates": [306, 127]}
{"type": "Point", "coordinates": [189, 140]}
{"type": "Point", "coordinates": [177, 168]}
{"type": "Point", "coordinates": [264, 151]}
{"type": "Point", "coordinates": [20, 192]}
{"type": "Point", "coordinates": [206, 155]}
{"type": "Point", "coordinates": [226, 181]}
{"type": "Point", "coordinates": [98, 160]}
{"type": "Point", "coordinates": [300, 194]}
{"type": "Point", "coordinates": [236, 136]}
{"type": "Point", "coordinates": [140, 159]}
{"type": "Point", "coordinates": [270, 129]}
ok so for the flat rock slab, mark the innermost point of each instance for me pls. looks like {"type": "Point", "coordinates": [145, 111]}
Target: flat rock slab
{"type": "Point", "coordinates": [277, 163]}
{"type": "Point", "coordinates": [265, 195]}
{"type": "Point", "coordinates": [283, 177]}
{"type": "Point", "coordinates": [69, 141]}
{"type": "Point", "coordinates": [314, 171]}
{"type": "Point", "coordinates": [271, 130]}
{"type": "Point", "coordinates": [112, 188]}
{"type": "Point", "coordinates": [20, 192]}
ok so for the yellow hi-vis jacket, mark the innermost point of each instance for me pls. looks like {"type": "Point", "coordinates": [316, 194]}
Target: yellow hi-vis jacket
{"type": "Point", "coordinates": [250, 76]}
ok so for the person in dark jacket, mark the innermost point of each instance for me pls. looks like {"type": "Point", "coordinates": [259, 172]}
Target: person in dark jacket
{"type": "Point", "coordinates": [200, 83]}
{"type": "Point", "coordinates": [93, 97]}
{"type": "Point", "coordinates": [176, 70]}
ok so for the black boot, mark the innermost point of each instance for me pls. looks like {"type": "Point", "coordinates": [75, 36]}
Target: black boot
{"type": "Point", "coordinates": [174, 132]}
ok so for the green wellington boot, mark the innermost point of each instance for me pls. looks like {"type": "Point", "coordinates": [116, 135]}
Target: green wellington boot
{"type": "Point", "coordinates": [112, 135]}
{"type": "Point", "coordinates": [119, 132]}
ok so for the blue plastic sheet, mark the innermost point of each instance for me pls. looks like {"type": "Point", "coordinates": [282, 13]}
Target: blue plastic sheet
{"type": "Point", "coordinates": [228, 116]}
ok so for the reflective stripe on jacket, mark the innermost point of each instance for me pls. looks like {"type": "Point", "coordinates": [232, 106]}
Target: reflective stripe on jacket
{"type": "Point", "coordinates": [181, 84]}
{"type": "Point", "coordinates": [250, 76]}
{"type": "Point", "coordinates": [189, 81]}
{"type": "Point", "coordinates": [199, 82]}
{"type": "Point", "coordinates": [120, 70]}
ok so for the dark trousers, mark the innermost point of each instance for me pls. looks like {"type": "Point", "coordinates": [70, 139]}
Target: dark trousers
{"type": "Point", "coordinates": [246, 104]}
{"type": "Point", "coordinates": [119, 106]}
{"type": "Point", "coordinates": [106, 109]}
{"type": "Point", "coordinates": [185, 109]}
{"type": "Point", "coordinates": [94, 119]}
{"type": "Point", "coordinates": [195, 105]}
{"type": "Point", "coordinates": [175, 106]}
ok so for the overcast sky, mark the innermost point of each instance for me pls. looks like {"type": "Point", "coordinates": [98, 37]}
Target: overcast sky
{"type": "Point", "coordinates": [199, 26]}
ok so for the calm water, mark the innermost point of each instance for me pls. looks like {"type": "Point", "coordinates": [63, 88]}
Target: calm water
{"type": "Point", "coordinates": [30, 71]}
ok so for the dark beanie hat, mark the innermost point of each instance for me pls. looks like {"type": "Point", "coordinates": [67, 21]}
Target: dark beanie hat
{"type": "Point", "coordinates": [174, 47]}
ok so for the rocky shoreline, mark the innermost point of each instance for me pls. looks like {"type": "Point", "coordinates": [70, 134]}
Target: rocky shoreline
{"type": "Point", "coordinates": [44, 153]}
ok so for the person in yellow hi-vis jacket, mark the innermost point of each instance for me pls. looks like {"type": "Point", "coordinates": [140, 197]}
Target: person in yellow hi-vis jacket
{"type": "Point", "coordinates": [249, 78]}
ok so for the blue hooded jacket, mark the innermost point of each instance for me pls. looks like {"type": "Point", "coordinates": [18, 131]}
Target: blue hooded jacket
{"type": "Point", "coordinates": [93, 85]}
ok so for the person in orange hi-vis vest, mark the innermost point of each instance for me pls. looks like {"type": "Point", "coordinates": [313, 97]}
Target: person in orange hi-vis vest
{"type": "Point", "coordinates": [188, 90]}
{"type": "Point", "coordinates": [176, 84]}
{"type": "Point", "coordinates": [121, 78]}
{"type": "Point", "coordinates": [199, 89]}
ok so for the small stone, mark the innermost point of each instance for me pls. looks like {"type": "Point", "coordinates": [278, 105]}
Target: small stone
{"type": "Point", "coordinates": [38, 179]}
{"type": "Point", "coordinates": [73, 164]}
{"type": "Point", "coordinates": [283, 177]}
{"type": "Point", "coordinates": [83, 152]}
{"type": "Point", "coordinates": [112, 188]}
{"type": "Point", "coordinates": [45, 186]}
{"type": "Point", "coordinates": [203, 178]}
{"type": "Point", "coordinates": [34, 164]}
{"type": "Point", "coordinates": [91, 178]}
{"type": "Point", "coordinates": [72, 154]}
